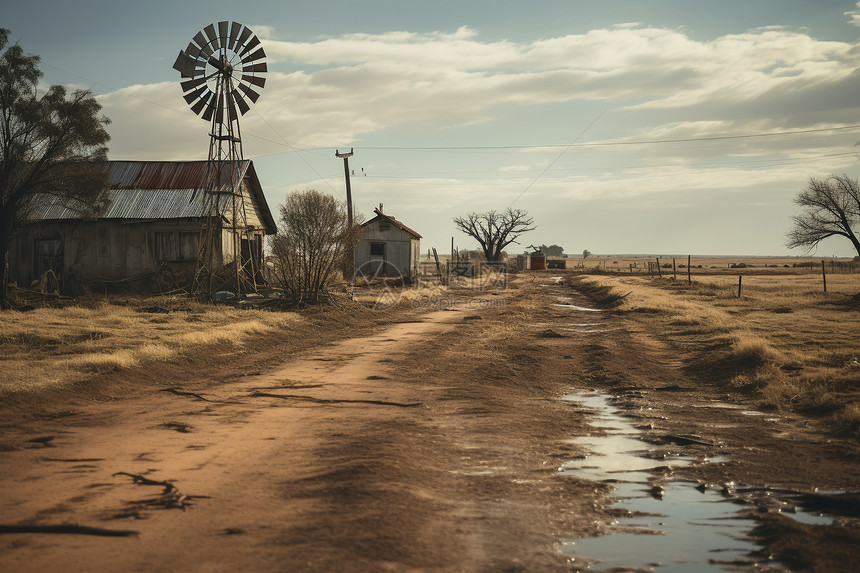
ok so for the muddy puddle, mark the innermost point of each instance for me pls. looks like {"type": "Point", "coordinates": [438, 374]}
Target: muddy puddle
{"type": "Point", "coordinates": [565, 302]}
{"type": "Point", "coordinates": [664, 524]}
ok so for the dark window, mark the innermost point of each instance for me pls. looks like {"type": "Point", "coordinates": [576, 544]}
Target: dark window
{"type": "Point", "coordinates": [377, 249]}
{"type": "Point", "coordinates": [49, 247]}
{"type": "Point", "coordinates": [384, 225]}
{"type": "Point", "coordinates": [49, 255]}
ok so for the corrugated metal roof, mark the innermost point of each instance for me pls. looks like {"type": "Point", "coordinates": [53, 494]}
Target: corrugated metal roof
{"type": "Point", "coordinates": [381, 215]}
{"type": "Point", "coordinates": [162, 174]}
{"type": "Point", "coordinates": [160, 190]}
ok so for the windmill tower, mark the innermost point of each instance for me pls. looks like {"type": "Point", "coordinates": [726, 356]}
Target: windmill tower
{"type": "Point", "coordinates": [220, 69]}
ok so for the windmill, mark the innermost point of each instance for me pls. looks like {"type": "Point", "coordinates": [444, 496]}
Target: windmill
{"type": "Point", "coordinates": [221, 69]}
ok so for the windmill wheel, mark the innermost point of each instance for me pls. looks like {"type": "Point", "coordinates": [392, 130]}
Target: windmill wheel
{"type": "Point", "coordinates": [222, 68]}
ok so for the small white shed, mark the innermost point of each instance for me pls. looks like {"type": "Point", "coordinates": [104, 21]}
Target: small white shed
{"type": "Point", "coordinates": [387, 248]}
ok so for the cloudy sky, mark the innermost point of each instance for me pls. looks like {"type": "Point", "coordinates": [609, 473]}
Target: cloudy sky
{"type": "Point", "coordinates": [621, 126]}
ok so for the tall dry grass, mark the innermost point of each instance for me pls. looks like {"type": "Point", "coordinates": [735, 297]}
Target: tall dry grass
{"type": "Point", "coordinates": [51, 347]}
{"type": "Point", "coordinates": [785, 341]}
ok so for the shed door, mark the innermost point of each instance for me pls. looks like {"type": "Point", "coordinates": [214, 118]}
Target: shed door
{"type": "Point", "coordinates": [377, 258]}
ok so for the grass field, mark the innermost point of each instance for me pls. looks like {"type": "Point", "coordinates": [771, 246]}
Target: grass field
{"type": "Point", "coordinates": [784, 341]}
{"type": "Point", "coordinates": [55, 346]}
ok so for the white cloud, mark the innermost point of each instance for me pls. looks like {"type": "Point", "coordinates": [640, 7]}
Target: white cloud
{"type": "Point", "coordinates": [854, 16]}
{"type": "Point", "coordinates": [343, 89]}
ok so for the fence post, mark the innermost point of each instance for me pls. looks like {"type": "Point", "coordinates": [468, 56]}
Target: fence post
{"type": "Point", "coordinates": [659, 271]}
{"type": "Point", "coordinates": [823, 275]}
{"type": "Point", "coordinates": [674, 274]}
{"type": "Point", "coordinates": [689, 279]}
{"type": "Point", "coordinates": [740, 278]}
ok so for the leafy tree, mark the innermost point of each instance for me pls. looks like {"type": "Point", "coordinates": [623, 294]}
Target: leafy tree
{"type": "Point", "coordinates": [831, 208]}
{"type": "Point", "coordinates": [52, 147]}
{"type": "Point", "coordinates": [473, 255]}
{"type": "Point", "coordinates": [552, 250]}
{"type": "Point", "coordinates": [495, 230]}
{"type": "Point", "coordinates": [313, 238]}
{"type": "Point", "coordinates": [586, 253]}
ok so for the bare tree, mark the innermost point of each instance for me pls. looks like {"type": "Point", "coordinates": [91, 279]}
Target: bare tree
{"type": "Point", "coordinates": [495, 230]}
{"type": "Point", "coordinates": [51, 147]}
{"type": "Point", "coordinates": [831, 209]}
{"type": "Point", "coordinates": [313, 238]}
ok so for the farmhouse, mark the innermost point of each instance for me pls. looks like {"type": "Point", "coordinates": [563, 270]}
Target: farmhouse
{"type": "Point", "coordinates": [387, 248]}
{"type": "Point", "coordinates": [149, 236]}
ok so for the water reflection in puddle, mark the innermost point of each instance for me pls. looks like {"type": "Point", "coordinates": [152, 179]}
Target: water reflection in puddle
{"type": "Point", "coordinates": [673, 526]}
{"type": "Point", "coordinates": [577, 307]}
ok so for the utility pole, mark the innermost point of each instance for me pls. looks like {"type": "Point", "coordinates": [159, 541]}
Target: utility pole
{"type": "Point", "coordinates": [349, 262]}
{"type": "Point", "coordinates": [346, 157]}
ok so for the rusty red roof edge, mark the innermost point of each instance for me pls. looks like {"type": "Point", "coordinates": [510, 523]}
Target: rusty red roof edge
{"type": "Point", "coordinates": [381, 215]}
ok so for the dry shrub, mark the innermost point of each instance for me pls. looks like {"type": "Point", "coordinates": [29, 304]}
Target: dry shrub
{"type": "Point", "coordinates": [156, 352]}
{"type": "Point", "coordinates": [848, 419]}
{"type": "Point", "coordinates": [102, 361]}
{"type": "Point", "coordinates": [313, 243]}
{"type": "Point", "coordinates": [810, 394]}
{"type": "Point", "coordinates": [234, 333]}
{"type": "Point", "coordinates": [751, 350]}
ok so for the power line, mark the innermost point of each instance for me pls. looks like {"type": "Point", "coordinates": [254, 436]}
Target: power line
{"type": "Point", "coordinates": [752, 163]}
{"type": "Point", "coordinates": [612, 143]}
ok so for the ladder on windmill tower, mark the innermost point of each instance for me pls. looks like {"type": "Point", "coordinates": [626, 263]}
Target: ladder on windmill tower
{"type": "Point", "coordinates": [220, 69]}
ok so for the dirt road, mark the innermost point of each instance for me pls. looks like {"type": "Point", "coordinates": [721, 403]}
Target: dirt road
{"type": "Point", "coordinates": [433, 445]}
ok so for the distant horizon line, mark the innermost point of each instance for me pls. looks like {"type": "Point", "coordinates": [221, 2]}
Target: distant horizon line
{"type": "Point", "coordinates": [664, 256]}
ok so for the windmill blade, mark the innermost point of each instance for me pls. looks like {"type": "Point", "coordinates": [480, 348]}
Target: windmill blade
{"type": "Point", "coordinates": [223, 28]}
{"type": "Point", "coordinates": [256, 68]}
{"type": "Point", "coordinates": [252, 95]}
{"type": "Point", "coordinates": [185, 65]}
{"type": "Point", "coordinates": [192, 50]}
{"type": "Point", "coordinates": [191, 84]}
{"type": "Point", "coordinates": [259, 54]}
{"type": "Point", "coordinates": [196, 94]}
{"type": "Point", "coordinates": [256, 80]}
{"type": "Point", "coordinates": [213, 39]}
{"type": "Point", "coordinates": [252, 43]}
{"type": "Point", "coordinates": [243, 106]}
{"type": "Point", "coordinates": [210, 108]}
{"type": "Point", "coordinates": [231, 105]}
{"type": "Point", "coordinates": [243, 37]}
{"type": "Point", "coordinates": [203, 43]}
{"type": "Point", "coordinates": [234, 35]}
{"type": "Point", "coordinates": [201, 103]}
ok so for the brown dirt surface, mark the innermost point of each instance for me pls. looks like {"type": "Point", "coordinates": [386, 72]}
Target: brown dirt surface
{"type": "Point", "coordinates": [422, 439]}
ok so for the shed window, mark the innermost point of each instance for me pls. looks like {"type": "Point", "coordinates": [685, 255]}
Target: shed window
{"type": "Point", "coordinates": [49, 247]}
{"type": "Point", "coordinates": [384, 225]}
{"type": "Point", "coordinates": [377, 249]}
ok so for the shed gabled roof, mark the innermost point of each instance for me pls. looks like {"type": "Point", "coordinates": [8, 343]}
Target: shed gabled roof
{"type": "Point", "coordinates": [161, 190]}
{"type": "Point", "coordinates": [381, 215]}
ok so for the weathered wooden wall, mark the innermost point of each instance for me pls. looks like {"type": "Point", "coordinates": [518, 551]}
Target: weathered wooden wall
{"type": "Point", "coordinates": [104, 251]}
{"type": "Point", "coordinates": [402, 249]}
